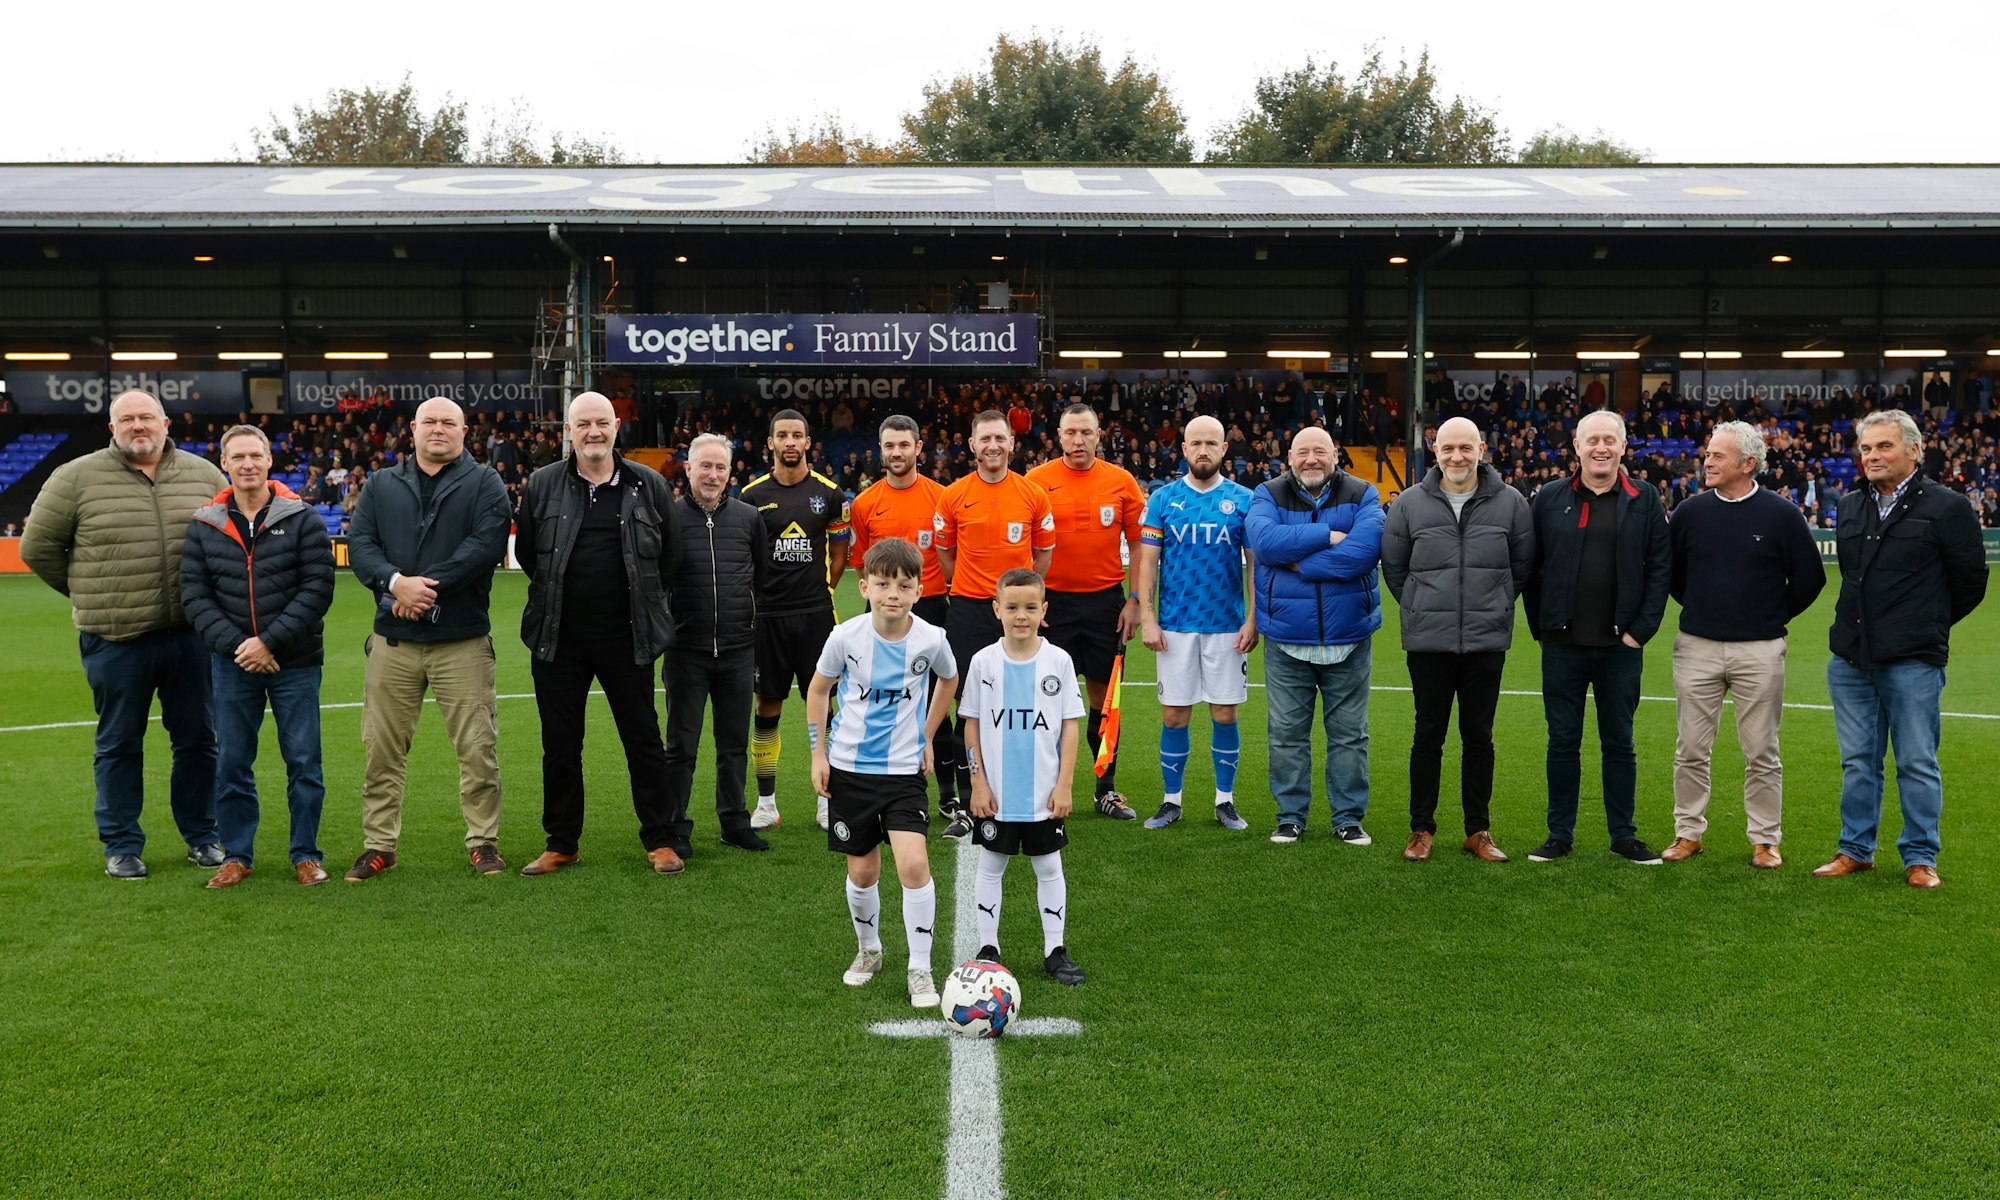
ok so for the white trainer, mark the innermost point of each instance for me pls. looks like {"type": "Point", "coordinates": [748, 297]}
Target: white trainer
{"type": "Point", "coordinates": [765, 816]}
{"type": "Point", "coordinates": [863, 968]}
{"type": "Point", "coordinates": [923, 993]}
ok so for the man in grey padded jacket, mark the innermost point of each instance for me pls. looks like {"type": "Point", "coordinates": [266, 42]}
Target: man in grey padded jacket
{"type": "Point", "coordinates": [1456, 550]}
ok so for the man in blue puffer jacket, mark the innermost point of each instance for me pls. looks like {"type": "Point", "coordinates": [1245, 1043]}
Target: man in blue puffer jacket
{"type": "Point", "coordinates": [1315, 537]}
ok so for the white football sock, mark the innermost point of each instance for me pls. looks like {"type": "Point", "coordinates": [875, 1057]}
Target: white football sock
{"type": "Point", "coordinates": [1052, 894]}
{"type": "Point", "coordinates": [865, 904]}
{"type": "Point", "coordinates": [919, 920]}
{"type": "Point", "coordinates": [986, 895]}
{"type": "Point", "coordinates": [1222, 798]}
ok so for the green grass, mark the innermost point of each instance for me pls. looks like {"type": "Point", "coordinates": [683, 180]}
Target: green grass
{"type": "Point", "coordinates": [1261, 1021]}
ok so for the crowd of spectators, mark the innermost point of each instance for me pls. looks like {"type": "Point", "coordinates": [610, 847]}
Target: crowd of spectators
{"type": "Point", "coordinates": [1528, 433]}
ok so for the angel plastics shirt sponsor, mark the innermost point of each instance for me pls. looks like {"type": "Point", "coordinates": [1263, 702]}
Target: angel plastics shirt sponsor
{"type": "Point", "coordinates": [804, 520]}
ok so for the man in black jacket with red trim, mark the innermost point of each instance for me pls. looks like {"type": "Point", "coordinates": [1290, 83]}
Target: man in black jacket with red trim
{"type": "Point", "coordinates": [1596, 596]}
{"type": "Point", "coordinates": [256, 582]}
{"type": "Point", "coordinates": [596, 540]}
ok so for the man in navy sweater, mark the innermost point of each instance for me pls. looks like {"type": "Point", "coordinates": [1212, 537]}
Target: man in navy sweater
{"type": "Point", "coordinates": [1744, 565]}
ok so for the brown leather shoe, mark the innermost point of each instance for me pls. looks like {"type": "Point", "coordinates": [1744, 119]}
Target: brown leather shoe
{"type": "Point", "coordinates": [233, 873]}
{"type": "Point", "coordinates": [1480, 846]}
{"type": "Point", "coordinates": [1764, 856]}
{"type": "Point", "coordinates": [1419, 849]}
{"type": "Point", "coordinates": [1682, 850]}
{"type": "Point", "coordinates": [665, 861]}
{"type": "Point", "coordinates": [549, 863]}
{"type": "Point", "coordinates": [1843, 865]}
{"type": "Point", "coordinates": [310, 872]}
{"type": "Point", "coordinates": [1923, 876]}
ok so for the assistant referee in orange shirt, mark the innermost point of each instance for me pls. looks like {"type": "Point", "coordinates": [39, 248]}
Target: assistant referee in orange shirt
{"type": "Point", "coordinates": [987, 524]}
{"type": "Point", "coordinates": [1092, 614]}
{"type": "Point", "coordinates": [904, 504]}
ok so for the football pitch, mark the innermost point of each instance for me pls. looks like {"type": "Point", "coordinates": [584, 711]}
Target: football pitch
{"type": "Point", "coordinates": [1260, 1021]}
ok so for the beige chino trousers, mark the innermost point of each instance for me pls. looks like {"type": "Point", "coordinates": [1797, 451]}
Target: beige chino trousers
{"type": "Point", "coordinates": [460, 674]}
{"type": "Point", "coordinates": [1753, 675]}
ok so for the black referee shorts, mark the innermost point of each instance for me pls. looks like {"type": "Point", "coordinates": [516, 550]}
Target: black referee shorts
{"type": "Point", "coordinates": [1085, 625]}
{"type": "Point", "coordinates": [788, 651]}
{"type": "Point", "coordinates": [970, 627]}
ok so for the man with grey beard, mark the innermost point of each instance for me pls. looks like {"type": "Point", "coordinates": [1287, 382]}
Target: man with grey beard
{"type": "Point", "coordinates": [107, 531]}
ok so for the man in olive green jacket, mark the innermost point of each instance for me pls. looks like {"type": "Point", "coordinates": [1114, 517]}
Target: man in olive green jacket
{"type": "Point", "coordinates": [107, 531]}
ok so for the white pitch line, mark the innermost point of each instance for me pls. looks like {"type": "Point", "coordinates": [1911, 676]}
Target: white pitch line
{"type": "Point", "coordinates": [1137, 683]}
{"type": "Point", "coordinates": [919, 1027]}
{"type": "Point", "coordinates": [972, 1142]}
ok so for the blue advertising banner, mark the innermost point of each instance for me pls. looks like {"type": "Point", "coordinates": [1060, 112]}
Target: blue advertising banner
{"type": "Point", "coordinates": [75, 392]}
{"type": "Point", "coordinates": [824, 339]}
{"type": "Point", "coordinates": [475, 391]}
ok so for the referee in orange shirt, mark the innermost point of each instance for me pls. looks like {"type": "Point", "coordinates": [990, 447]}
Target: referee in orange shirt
{"type": "Point", "coordinates": [1091, 612]}
{"type": "Point", "coordinates": [987, 524]}
{"type": "Point", "coordinates": [903, 504]}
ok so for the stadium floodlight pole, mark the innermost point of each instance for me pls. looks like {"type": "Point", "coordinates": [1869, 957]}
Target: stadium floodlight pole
{"type": "Point", "coordinates": [1413, 436]}
{"type": "Point", "coordinates": [579, 315]}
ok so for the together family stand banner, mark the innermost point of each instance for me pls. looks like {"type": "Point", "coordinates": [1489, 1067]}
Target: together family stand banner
{"type": "Point", "coordinates": [824, 340]}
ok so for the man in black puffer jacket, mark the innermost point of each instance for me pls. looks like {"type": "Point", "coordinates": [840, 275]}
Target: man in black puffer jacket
{"type": "Point", "coordinates": [1456, 551]}
{"type": "Point", "coordinates": [597, 543]}
{"type": "Point", "coordinates": [725, 553]}
{"type": "Point", "coordinates": [256, 582]}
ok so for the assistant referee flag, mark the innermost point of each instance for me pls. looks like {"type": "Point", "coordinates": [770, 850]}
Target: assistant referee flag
{"type": "Point", "coordinates": [1107, 752]}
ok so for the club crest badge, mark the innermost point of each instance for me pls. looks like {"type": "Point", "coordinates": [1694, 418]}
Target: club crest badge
{"type": "Point", "coordinates": [817, 504]}
{"type": "Point", "coordinates": [1227, 507]}
{"type": "Point", "coordinates": [1051, 685]}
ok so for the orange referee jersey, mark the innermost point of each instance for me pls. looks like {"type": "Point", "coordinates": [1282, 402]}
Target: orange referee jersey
{"type": "Point", "coordinates": [992, 528]}
{"type": "Point", "coordinates": [1092, 508]}
{"type": "Point", "coordinates": [885, 511]}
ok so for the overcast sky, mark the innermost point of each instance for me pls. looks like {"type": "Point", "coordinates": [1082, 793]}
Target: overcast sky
{"type": "Point", "coordinates": [689, 81]}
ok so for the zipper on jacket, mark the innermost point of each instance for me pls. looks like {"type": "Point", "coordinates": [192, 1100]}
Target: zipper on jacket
{"type": "Point", "coordinates": [715, 594]}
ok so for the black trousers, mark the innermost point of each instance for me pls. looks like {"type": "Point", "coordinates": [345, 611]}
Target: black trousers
{"type": "Point", "coordinates": [562, 690]}
{"type": "Point", "coordinates": [696, 681]}
{"type": "Point", "coordinates": [1436, 680]}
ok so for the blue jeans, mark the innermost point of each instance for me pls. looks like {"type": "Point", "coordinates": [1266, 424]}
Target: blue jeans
{"type": "Point", "coordinates": [1292, 689]}
{"type": "Point", "coordinates": [239, 716]}
{"type": "Point", "coordinates": [1612, 674]}
{"type": "Point", "coordinates": [124, 676]}
{"type": "Point", "coordinates": [1873, 709]}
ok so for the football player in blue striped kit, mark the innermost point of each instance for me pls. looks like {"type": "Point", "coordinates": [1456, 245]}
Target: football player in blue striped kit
{"type": "Point", "coordinates": [895, 677]}
{"type": "Point", "coordinates": [1020, 744]}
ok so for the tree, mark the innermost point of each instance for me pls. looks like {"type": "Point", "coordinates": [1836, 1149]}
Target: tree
{"type": "Point", "coordinates": [826, 143]}
{"type": "Point", "coordinates": [372, 125]}
{"type": "Point", "coordinates": [1045, 101]}
{"type": "Point", "coordinates": [1315, 114]}
{"type": "Point", "coordinates": [1559, 147]}
{"type": "Point", "coordinates": [380, 125]}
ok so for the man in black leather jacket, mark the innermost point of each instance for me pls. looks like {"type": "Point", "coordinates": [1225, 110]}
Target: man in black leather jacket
{"type": "Point", "coordinates": [595, 539]}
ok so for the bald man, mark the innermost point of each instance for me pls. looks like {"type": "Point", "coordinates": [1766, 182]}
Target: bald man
{"type": "Point", "coordinates": [1192, 575]}
{"type": "Point", "coordinates": [1456, 550]}
{"type": "Point", "coordinates": [1595, 596]}
{"type": "Point", "coordinates": [106, 531]}
{"type": "Point", "coordinates": [1316, 534]}
{"type": "Point", "coordinates": [426, 537]}
{"type": "Point", "coordinates": [595, 536]}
